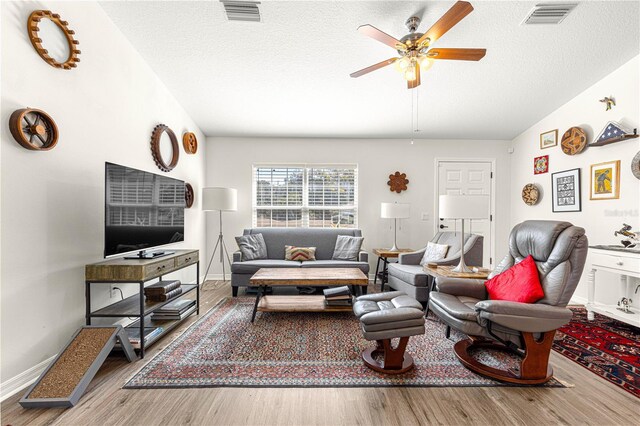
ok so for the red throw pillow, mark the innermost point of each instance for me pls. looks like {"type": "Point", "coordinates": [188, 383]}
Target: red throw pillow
{"type": "Point", "coordinates": [520, 283]}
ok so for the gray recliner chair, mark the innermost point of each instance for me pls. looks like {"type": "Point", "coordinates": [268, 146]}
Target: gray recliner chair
{"type": "Point", "coordinates": [409, 276]}
{"type": "Point", "coordinates": [526, 329]}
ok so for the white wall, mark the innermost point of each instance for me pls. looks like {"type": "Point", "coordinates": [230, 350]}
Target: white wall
{"type": "Point", "coordinates": [53, 202]}
{"type": "Point", "coordinates": [599, 218]}
{"type": "Point", "coordinates": [230, 161]}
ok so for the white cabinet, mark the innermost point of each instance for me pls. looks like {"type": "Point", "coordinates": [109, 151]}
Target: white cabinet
{"type": "Point", "coordinates": [625, 263]}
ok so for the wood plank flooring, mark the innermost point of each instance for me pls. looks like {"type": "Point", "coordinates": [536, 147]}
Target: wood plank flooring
{"type": "Point", "coordinates": [592, 400]}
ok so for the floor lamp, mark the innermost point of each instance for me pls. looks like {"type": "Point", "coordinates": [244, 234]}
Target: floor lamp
{"type": "Point", "coordinates": [463, 207]}
{"type": "Point", "coordinates": [395, 211]}
{"type": "Point", "coordinates": [220, 200]}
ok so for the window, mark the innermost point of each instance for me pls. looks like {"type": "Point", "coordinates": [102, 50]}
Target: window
{"type": "Point", "coordinates": [317, 196]}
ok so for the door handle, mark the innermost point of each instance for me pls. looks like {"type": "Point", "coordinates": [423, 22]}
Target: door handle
{"type": "Point", "coordinates": [443, 226]}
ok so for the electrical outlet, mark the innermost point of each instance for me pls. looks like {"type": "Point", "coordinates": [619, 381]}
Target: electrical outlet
{"type": "Point", "coordinates": [425, 216]}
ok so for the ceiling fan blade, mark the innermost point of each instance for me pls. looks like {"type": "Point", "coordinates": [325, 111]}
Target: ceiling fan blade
{"type": "Point", "coordinates": [454, 15]}
{"type": "Point", "coordinates": [382, 37]}
{"type": "Point", "coordinates": [374, 67]}
{"type": "Point", "coordinates": [412, 84]}
{"type": "Point", "coordinates": [457, 54]}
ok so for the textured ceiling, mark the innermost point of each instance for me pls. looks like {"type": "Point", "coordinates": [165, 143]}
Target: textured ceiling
{"type": "Point", "coordinates": [289, 75]}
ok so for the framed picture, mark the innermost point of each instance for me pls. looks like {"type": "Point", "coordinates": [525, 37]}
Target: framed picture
{"type": "Point", "coordinates": [549, 139]}
{"type": "Point", "coordinates": [541, 165]}
{"type": "Point", "coordinates": [605, 181]}
{"type": "Point", "coordinates": [565, 190]}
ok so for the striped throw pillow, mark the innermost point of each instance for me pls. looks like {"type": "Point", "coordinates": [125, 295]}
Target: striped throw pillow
{"type": "Point", "coordinates": [299, 253]}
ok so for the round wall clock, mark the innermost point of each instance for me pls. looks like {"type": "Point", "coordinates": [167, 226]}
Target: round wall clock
{"type": "Point", "coordinates": [190, 143]}
{"type": "Point", "coordinates": [33, 129]}
{"type": "Point", "coordinates": [635, 165]}
{"type": "Point", "coordinates": [573, 141]}
{"type": "Point", "coordinates": [156, 136]}
{"type": "Point", "coordinates": [39, 16]}
{"type": "Point", "coordinates": [189, 195]}
{"type": "Point", "coordinates": [398, 182]}
{"type": "Point", "coordinates": [530, 194]}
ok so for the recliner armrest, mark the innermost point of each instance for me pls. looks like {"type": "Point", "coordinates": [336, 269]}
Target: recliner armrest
{"type": "Point", "coordinates": [237, 256]}
{"type": "Point", "coordinates": [462, 287]}
{"type": "Point", "coordinates": [363, 256]}
{"type": "Point", "coordinates": [526, 317]}
{"type": "Point", "coordinates": [412, 258]}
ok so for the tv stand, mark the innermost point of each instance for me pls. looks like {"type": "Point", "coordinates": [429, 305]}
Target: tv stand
{"type": "Point", "coordinates": [143, 254]}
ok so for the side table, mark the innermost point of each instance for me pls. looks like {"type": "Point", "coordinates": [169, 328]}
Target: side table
{"type": "Point", "coordinates": [447, 272]}
{"type": "Point", "coordinates": [383, 256]}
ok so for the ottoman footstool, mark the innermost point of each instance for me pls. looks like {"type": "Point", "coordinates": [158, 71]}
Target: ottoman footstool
{"type": "Point", "coordinates": [385, 316]}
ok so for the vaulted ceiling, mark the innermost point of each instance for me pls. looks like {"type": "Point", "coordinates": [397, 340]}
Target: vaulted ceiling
{"type": "Point", "coordinates": [288, 76]}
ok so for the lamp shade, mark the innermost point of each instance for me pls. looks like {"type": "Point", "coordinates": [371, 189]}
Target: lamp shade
{"type": "Point", "coordinates": [221, 199]}
{"type": "Point", "coordinates": [395, 210]}
{"type": "Point", "coordinates": [464, 207]}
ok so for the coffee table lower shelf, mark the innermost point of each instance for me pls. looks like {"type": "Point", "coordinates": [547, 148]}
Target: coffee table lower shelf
{"type": "Point", "coordinates": [298, 304]}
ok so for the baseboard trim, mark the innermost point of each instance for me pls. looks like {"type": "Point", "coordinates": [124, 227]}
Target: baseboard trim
{"type": "Point", "coordinates": [23, 380]}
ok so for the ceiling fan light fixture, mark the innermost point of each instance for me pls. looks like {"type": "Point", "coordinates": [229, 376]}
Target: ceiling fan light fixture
{"type": "Point", "coordinates": [425, 63]}
{"type": "Point", "coordinates": [402, 64]}
{"type": "Point", "coordinates": [410, 74]}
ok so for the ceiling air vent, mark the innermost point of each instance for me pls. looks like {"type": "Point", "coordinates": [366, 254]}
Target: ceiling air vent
{"type": "Point", "coordinates": [549, 13]}
{"type": "Point", "coordinates": [246, 11]}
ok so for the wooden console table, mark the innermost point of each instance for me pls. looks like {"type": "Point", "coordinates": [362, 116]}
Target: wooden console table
{"type": "Point", "coordinates": [140, 271]}
{"type": "Point", "coordinates": [624, 262]}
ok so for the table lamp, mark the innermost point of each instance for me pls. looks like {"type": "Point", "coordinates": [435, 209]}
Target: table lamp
{"type": "Point", "coordinates": [463, 207]}
{"type": "Point", "coordinates": [395, 211]}
{"type": "Point", "coordinates": [221, 200]}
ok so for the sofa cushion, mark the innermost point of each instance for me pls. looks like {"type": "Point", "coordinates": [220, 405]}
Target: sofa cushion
{"type": "Point", "coordinates": [323, 239]}
{"type": "Point", "coordinates": [299, 253]}
{"type": "Point", "coordinates": [434, 252]}
{"type": "Point", "coordinates": [347, 248]}
{"type": "Point", "coordinates": [412, 274]}
{"type": "Point", "coordinates": [252, 266]}
{"type": "Point", "coordinates": [363, 266]}
{"type": "Point", "coordinates": [252, 247]}
{"type": "Point", "coordinates": [460, 307]}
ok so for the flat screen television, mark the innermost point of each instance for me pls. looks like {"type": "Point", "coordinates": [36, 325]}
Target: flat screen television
{"type": "Point", "coordinates": [142, 210]}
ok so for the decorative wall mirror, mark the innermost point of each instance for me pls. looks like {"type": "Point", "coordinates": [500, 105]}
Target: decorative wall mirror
{"type": "Point", "coordinates": [190, 143]}
{"type": "Point", "coordinates": [164, 145]}
{"type": "Point", "coordinates": [33, 129]}
{"type": "Point", "coordinates": [52, 39]}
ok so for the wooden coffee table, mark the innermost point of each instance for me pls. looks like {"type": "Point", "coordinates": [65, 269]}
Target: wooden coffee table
{"type": "Point", "coordinates": [307, 277]}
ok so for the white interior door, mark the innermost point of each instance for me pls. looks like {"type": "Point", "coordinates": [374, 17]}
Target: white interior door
{"type": "Point", "coordinates": [467, 178]}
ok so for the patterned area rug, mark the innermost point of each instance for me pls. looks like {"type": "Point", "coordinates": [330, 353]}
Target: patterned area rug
{"type": "Point", "coordinates": [223, 348]}
{"type": "Point", "coordinates": [607, 347]}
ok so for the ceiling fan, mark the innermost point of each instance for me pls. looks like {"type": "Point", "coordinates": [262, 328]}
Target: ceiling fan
{"type": "Point", "coordinates": [413, 48]}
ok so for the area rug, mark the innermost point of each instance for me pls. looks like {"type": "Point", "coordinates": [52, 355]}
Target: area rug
{"type": "Point", "coordinates": [606, 347]}
{"type": "Point", "coordinates": [224, 348]}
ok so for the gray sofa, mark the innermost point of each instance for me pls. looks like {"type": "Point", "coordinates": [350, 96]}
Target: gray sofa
{"type": "Point", "coordinates": [324, 239]}
{"type": "Point", "coordinates": [408, 275]}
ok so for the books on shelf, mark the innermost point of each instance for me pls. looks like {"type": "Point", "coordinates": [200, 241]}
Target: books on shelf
{"type": "Point", "coordinates": [149, 332]}
{"type": "Point", "coordinates": [164, 297]}
{"type": "Point", "coordinates": [337, 296]}
{"type": "Point", "coordinates": [175, 310]}
{"type": "Point", "coordinates": [162, 287]}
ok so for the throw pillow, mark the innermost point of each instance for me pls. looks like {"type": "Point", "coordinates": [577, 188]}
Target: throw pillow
{"type": "Point", "coordinates": [299, 253]}
{"type": "Point", "coordinates": [434, 252]}
{"type": "Point", "coordinates": [252, 247]}
{"type": "Point", "coordinates": [347, 248]}
{"type": "Point", "coordinates": [520, 283]}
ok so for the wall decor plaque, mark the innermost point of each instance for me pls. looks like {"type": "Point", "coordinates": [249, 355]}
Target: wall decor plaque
{"type": "Point", "coordinates": [33, 129]}
{"type": "Point", "coordinates": [605, 181]}
{"type": "Point", "coordinates": [541, 165]}
{"type": "Point", "coordinates": [189, 195]}
{"type": "Point", "coordinates": [190, 143]}
{"type": "Point", "coordinates": [565, 190]}
{"type": "Point", "coordinates": [398, 182]}
{"type": "Point", "coordinates": [573, 141]}
{"type": "Point", "coordinates": [37, 17]}
{"type": "Point", "coordinates": [156, 136]}
{"type": "Point", "coordinates": [530, 194]}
